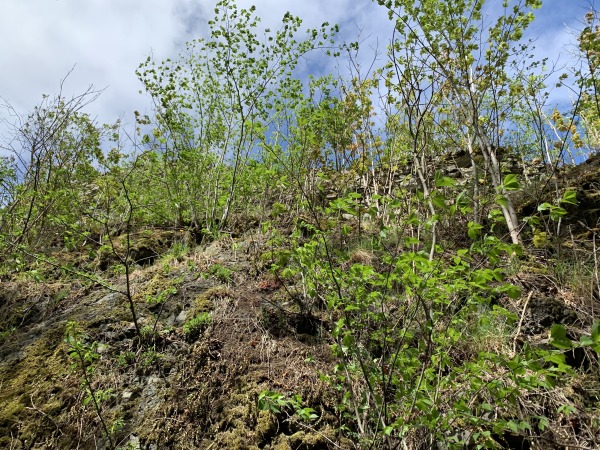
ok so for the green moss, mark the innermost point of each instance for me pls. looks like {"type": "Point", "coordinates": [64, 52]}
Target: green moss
{"type": "Point", "coordinates": [11, 410]}
{"type": "Point", "coordinates": [204, 302]}
{"type": "Point", "coordinates": [266, 425]}
{"type": "Point", "coordinates": [231, 439]}
{"type": "Point", "coordinates": [540, 239]}
{"type": "Point", "coordinates": [282, 444]}
{"type": "Point", "coordinates": [311, 441]}
{"type": "Point", "coordinates": [32, 390]}
{"type": "Point", "coordinates": [158, 289]}
{"type": "Point", "coordinates": [195, 326]}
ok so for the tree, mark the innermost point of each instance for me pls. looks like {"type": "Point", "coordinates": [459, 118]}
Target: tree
{"type": "Point", "coordinates": [54, 150]}
{"type": "Point", "coordinates": [216, 101]}
{"type": "Point", "coordinates": [474, 68]}
{"type": "Point", "coordinates": [588, 79]}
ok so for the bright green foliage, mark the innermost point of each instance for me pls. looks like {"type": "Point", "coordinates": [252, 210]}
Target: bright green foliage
{"type": "Point", "coordinates": [421, 347]}
{"type": "Point", "coordinates": [196, 325]}
{"type": "Point", "coordinates": [276, 402]}
{"type": "Point", "coordinates": [214, 104]}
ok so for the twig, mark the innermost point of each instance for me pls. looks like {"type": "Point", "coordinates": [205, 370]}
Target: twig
{"type": "Point", "coordinates": [521, 322]}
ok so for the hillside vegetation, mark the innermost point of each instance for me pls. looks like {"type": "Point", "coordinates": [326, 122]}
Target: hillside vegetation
{"type": "Point", "coordinates": [403, 257]}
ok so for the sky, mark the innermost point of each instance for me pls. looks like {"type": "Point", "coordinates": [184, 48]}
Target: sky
{"type": "Point", "coordinates": [104, 41]}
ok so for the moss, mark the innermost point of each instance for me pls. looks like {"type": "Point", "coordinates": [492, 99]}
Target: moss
{"type": "Point", "coordinates": [302, 439]}
{"type": "Point", "coordinates": [534, 269]}
{"type": "Point", "coordinates": [158, 289]}
{"type": "Point", "coordinates": [11, 410]}
{"type": "Point", "coordinates": [309, 440]}
{"type": "Point", "coordinates": [282, 444]}
{"type": "Point", "coordinates": [266, 425]}
{"type": "Point", "coordinates": [217, 292]}
{"type": "Point", "coordinates": [233, 440]}
{"type": "Point", "coordinates": [32, 391]}
{"type": "Point", "coordinates": [204, 302]}
{"type": "Point", "coordinates": [194, 327]}
{"type": "Point", "coordinates": [540, 239]}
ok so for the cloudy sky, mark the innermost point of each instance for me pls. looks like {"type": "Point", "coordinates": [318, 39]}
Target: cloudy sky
{"type": "Point", "coordinates": [105, 40]}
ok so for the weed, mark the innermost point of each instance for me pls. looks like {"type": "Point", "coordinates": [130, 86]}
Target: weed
{"type": "Point", "coordinates": [221, 273]}
{"type": "Point", "coordinates": [194, 327]}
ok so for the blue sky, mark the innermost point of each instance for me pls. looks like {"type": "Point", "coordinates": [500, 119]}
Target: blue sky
{"type": "Point", "coordinates": [41, 40]}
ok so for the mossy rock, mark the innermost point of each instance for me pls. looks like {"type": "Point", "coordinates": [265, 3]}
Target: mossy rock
{"type": "Point", "coordinates": [144, 247]}
{"type": "Point", "coordinates": [304, 440]}
{"type": "Point", "coordinates": [266, 425]}
{"type": "Point", "coordinates": [33, 392]}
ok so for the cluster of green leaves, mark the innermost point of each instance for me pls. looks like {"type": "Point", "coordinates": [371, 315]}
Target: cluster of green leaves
{"type": "Point", "coordinates": [408, 338]}
{"type": "Point", "coordinates": [276, 402]}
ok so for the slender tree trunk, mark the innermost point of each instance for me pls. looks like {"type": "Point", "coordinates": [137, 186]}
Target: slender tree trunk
{"type": "Point", "coordinates": [475, 175]}
{"type": "Point", "coordinates": [508, 209]}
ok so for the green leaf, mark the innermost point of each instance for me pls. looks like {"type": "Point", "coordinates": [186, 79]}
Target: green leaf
{"type": "Point", "coordinates": [544, 207]}
{"type": "Point", "coordinates": [474, 230]}
{"type": "Point", "coordinates": [502, 200]}
{"type": "Point", "coordinates": [596, 332]}
{"type": "Point", "coordinates": [511, 182]}
{"type": "Point", "coordinates": [487, 407]}
{"type": "Point", "coordinates": [543, 423]}
{"type": "Point", "coordinates": [424, 404]}
{"type": "Point", "coordinates": [439, 201]}
{"type": "Point", "coordinates": [444, 182]}
{"type": "Point", "coordinates": [512, 291]}
{"type": "Point", "coordinates": [569, 197]}
{"type": "Point", "coordinates": [559, 339]}
{"type": "Point", "coordinates": [557, 212]}
{"type": "Point", "coordinates": [556, 358]}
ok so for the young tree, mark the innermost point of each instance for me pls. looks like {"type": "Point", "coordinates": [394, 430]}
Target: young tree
{"type": "Point", "coordinates": [474, 68]}
{"type": "Point", "coordinates": [216, 101]}
{"type": "Point", "coordinates": [54, 149]}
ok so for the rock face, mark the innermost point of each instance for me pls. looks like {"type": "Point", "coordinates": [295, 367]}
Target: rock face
{"type": "Point", "coordinates": [176, 390]}
{"type": "Point", "coordinates": [455, 164]}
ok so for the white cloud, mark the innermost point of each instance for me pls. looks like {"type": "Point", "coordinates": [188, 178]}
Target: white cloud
{"type": "Point", "coordinates": [105, 41]}
{"type": "Point", "coordinates": [40, 40]}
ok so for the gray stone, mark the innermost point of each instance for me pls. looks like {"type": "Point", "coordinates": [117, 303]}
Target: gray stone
{"type": "Point", "coordinates": [181, 317]}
